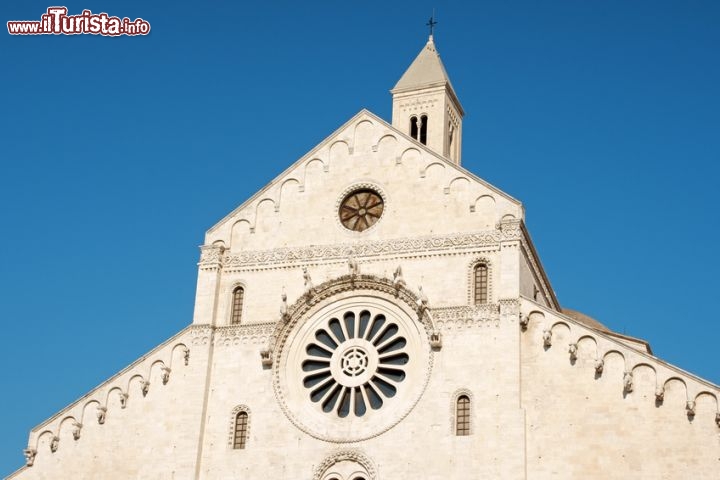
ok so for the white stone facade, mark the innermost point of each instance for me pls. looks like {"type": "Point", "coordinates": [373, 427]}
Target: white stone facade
{"type": "Point", "coordinates": [550, 395]}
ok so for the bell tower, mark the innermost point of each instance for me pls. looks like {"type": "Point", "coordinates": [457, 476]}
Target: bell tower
{"type": "Point", "coordinates": [425, 106]}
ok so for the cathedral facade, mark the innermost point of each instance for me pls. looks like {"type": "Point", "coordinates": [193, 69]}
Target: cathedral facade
{"type": "Point", "coordinates": [379, 312]}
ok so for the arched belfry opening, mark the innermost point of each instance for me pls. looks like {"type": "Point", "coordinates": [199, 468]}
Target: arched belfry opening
{"type": "Point", "coordinates": [425, 106]}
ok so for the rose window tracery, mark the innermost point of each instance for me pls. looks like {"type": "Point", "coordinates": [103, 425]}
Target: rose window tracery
{"type": "Point", "coordinates": [361, 209]}
{"type": "Point", "coordinates": [355, 363]}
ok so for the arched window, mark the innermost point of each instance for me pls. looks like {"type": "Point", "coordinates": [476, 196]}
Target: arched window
{"type": "Point", "coordinates": [423, 129]}
{"type": "Point", "coordinates": [237, 304]}
{"type": "Point", "coordinates": [414, 127]}
{"type": "Point", "coordinates": [481, 284]}
{"type": "Point", "coordinates": [462, 416]}
{"type": "Point", "coordinates": [241, 429]}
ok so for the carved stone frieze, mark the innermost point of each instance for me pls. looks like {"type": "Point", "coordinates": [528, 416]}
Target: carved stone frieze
{"type": "Point", "coordinates": [509, 308]}
{"type": "Point", "coordinates": [200, 334]}
{"type": "Point", "coordinates": [255, 334]}
{"type": "Point", "coordinates": [365, 249]}
{"type": "Point", "coordinates": [511, 229]}
{"type": "Point", "coordinates": [466, 316]}
{"type": "Point", "coordinates": [211, 256]}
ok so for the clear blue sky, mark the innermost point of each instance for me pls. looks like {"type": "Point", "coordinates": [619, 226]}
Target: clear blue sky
{"type": "Point", "coordinates": [116, 154]}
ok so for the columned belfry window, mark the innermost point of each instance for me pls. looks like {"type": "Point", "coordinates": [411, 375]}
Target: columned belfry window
{"type": "Point", "coordinates": [418, 128]}
{"type": "Point", "coordinates": [480, 286]}
{"type": "Point", "coordinates": [462, 416]}
{"type": "Point", "coordinates": [414, 127]}
{"type": "Point", "coordinates": [237, 305]}
{"type": "Point", "coordinates": [423, 129]}
{"type": "Point", "coordinates": [241, 430]}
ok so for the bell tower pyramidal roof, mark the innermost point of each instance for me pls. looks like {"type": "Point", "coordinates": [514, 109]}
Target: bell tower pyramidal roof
{"type": "Point", "coordinates": [425, 105]}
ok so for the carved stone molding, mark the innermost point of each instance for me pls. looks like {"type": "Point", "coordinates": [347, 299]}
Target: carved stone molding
{"type": "Point", "coordinates": [511, 229]}
{"type": "Point", "coordinates": [466, 316]}
{"type": "Point", "coordinates": [347, 283]}
{"type": "Point", "coordinates": [231, 429]}
{"type": "Point", "coordinates": [200, 334]}
{"type": "Point", "coordinates": [345, 288]}
{"type": "Point", "coordinates": [471, 278]}
{"type": "Point", "coordinates": [211, 257]}
{"type": "Point", "coordinates": [233, 335]}
{"type": "Point", "coordinates": [453, 409]}
{"type": "Point", "coordinates": [509, 308]}
{"type": "Point", "coordinates": [352, 455]}
{"type": "Point", "coordinates": [363, 249]}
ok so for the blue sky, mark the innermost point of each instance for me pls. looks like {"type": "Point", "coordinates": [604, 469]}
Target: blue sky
{"type": "Point", "coordinates": [116, 154]}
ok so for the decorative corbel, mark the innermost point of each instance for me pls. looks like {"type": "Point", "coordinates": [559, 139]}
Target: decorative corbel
{"type": "Point", "coordinates": [165, 374]}
{"type": "Point", "coordinates": [660, 394]}
{"type": "Point", "coordinates": [547, 337]}
{"type": "Point", "coordinates": [436, 340]}
{"type": "Point", "coordinates": [266, 357]}
{"type": "Point", "coordinates": [599, 365]}
{"type": "Point", "coordinates": [123, 399]}
{"type": "Point", "coordinates": [77, 429]}
{"type": "Point", "coordinates": [29, 456]}
{"type": "Point", "coordinates": [717, 419]}
{"type": "Point", "coordinates": [186, 356]}
{"type": "Point", "coordinates": [690, 408]}
{"type": "Point", "coordinates": [573, 350]}
{"type": "Point", "coordinates": [101, 412]}
{"type": "Point", "coordinates": [524, 321]}
{"type": "Point", "coordinates": [54, 443]}
{"type": "Point", "coordinates": [144, 387]}
{"type": "Point", "coordinates": [628, 381]}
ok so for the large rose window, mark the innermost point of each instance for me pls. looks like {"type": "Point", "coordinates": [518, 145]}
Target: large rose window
{"type": "Point", "coordinates": [354, 363]}
{"type": "Point", "coordinates": [353, 366]}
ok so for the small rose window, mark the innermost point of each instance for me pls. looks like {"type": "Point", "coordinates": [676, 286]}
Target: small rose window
{"type": "Point", "coordinates": [361, 209]}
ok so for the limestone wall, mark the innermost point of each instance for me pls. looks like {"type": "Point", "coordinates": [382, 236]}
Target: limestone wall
{"type": "Point", "coordinates": [142, 423]}
{"type": "Point", "coordinates": [423, 193]}
{"type": "Point", "coordinates": [477, 346]}
{"type": "Point", "coordinates": [599, 409]}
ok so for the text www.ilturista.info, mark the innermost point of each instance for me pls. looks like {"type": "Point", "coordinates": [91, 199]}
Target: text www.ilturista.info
{"type": "Point", "coordinates": [57, 22]}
